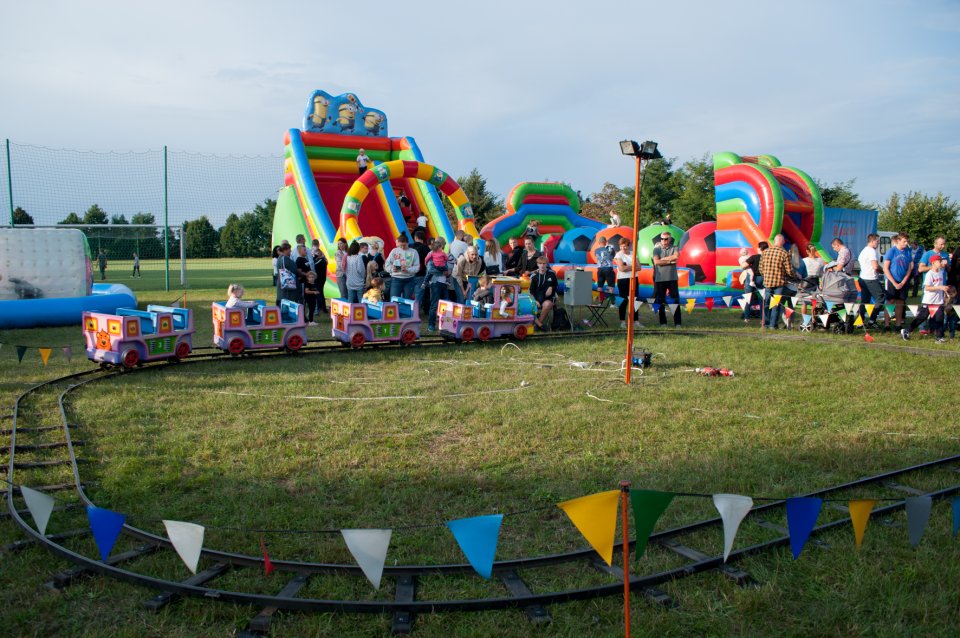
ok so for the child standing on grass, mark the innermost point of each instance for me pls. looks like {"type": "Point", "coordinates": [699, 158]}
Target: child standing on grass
{"type": "Point", "coordinates": [312, 297]}
{"type": "Point", "coordinates": [136, 266]}
{"type": "Point", "coordinates": [934, 287]}
{"type": "Point", "coordinates": [375, 293]}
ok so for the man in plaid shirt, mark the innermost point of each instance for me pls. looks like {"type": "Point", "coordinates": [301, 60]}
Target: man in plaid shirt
{"type": "Point", "coordinates": [775, 267]}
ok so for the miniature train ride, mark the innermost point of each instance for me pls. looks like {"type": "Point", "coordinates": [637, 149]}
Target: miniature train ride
{"type": "Point", "coordinates": [259, 327]}
{"type": "Point", "coordinates": [394, 321]}
{"type": "Point", "coordinates": [505, 317]}
{"type": "Point", "coordinates": [131, 337]}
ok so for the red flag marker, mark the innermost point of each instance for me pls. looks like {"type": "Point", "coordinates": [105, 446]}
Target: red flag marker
{"type": "Point", "coordinates": [867, 337]}
{"type": "Point", "coordinates": [267, 565]}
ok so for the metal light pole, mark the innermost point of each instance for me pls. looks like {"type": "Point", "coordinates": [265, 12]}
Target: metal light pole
{"type": "Point", "coordinates": [647, 151]}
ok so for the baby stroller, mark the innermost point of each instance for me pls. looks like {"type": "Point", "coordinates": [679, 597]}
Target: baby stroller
{"type": "Point", "coordinates": [836, 289]}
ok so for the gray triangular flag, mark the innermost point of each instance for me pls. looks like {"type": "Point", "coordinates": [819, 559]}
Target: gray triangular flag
{"type": "Point", "coordinates": [673, 306]}
{"type": "Point", "coordinates": [369, 549]}
{"type": "Point", "coordinates": [40, 506]}
{"type": "Point", "coordinates": [762, 292]}
{"type": "Point", "coordinates": [918, 513]}
{"type": "Point", "coordinates": [733, 508]}
{"type": "Point", "coordinates": [187, 539]}
{"type": "Point", "coordinates": [636, 304]}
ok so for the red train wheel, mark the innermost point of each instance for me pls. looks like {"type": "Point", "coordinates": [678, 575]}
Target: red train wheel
{"type": "Point", "coordinates": [236, 346]}
{"type": "Point", "coordinates": [357, 339]}
{"type": "Point", "coordinates": [467, 334]}
{"type": "Point", "coordinates": [294, 343]}
{"type": "Point", "coordinates": [130, 358]}
{"type": "Point", "coordinates": [484, 333]}
{"type": "Point", "coordinates": [520, 332]}
{"type": "Point", "coordinates": [183, 350]}
{"type": "Point", "coordinates": [408, 338]}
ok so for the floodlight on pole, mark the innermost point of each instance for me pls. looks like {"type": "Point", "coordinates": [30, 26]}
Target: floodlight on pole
{"type": "Point", "coordinates": [647, 151]}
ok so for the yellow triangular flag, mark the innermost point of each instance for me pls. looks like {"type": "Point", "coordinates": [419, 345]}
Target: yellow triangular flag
{"type": "Point", "coordinates": [775, 301]}
{"type": "Point", "coordinates": [859, 515]}
{"type": "Point", "coordinates": [690, 304]}
{"type": "Point", "coordinates": [869, 308]}
{"type": "Point", "coordinates": [596, 518]}
{"type": "Point", "coordinates": [45, 354]}
{"type": "Point", "coordinates": [858, 321]}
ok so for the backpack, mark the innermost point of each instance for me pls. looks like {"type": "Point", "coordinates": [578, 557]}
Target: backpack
{"type": "Point", "coordinates": [560, 320]}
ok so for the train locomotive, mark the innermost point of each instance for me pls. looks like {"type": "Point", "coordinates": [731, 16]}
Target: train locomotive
{"type": "Point", "coordinates": [259, 327]}
{"type": "Point", "coordinates": [131, 337]}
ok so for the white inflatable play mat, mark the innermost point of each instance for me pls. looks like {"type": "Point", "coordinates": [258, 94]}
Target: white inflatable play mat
{"type": "Point", "coordinates": [43, 263]}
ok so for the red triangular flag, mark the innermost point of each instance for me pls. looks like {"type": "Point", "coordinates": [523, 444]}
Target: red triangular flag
{"type": "Point", "coordinates": [708, 302]}
{"type": "Point", "coordinates": [788, 311]}
{"type": "Point", "coordinates": [867, 337]}
{"type": "Point", "coordinates": [267, 565]}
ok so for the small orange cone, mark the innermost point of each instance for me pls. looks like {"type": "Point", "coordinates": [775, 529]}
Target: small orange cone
{"type": "Point", "coordinates": [867, 337]}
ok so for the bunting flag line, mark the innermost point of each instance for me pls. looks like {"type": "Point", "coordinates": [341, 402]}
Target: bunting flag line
{"type": "Point", "coordinates": [802, 513]}
{"type": "Point", "coordinates": [918, 514]}
{"type": "Point", "coordinates": [21, 350]}
{"type": "Point", "coordinates": [829, 305]}
{"type": "Point", "coordinates": [690, 305]}
{"type": "Point", "coordinates": [913, 309]}
{"type": "Point", "coordinates": [858, 321]}
{"type": "Point", "coordinates": [774, 301]}
{"type": "Point", "coordinates": [890, 309]}
{"type": "Point", "coordinates": [788, 312]}
{"type": "Point", "coordinates": [369, 549]}
{"type": "Point", "coordinates": [596, 518]}
{"type": "Point", "coordinates": [807, 319]}
{"type": "Point", "coordinates": [106, 525]}
{"type": "Point", "coordinates": [67, 353]}
{"type": "Point", "coordinates": [743, 302]}
{"type": "Point", "coordinates": [708, 302]}
{"type": "Point", "coordinates": [859, 515]}
{"type": "Point", "coordinates": [267, 565]}
{"type": "Point", "coordinates": [478, 537]}
{"type": "Point", "coordinates": [187, 539]}
{"type": "Point", "coordinates": [842, 313]}
{"type": "Point", "coordinates": [933, 309]}
{"type": "Point", "coordinates": [45, 354]}
{"type": "Point", "coordinates": [728, 300]}
{"type": "Point", "coordinates": [869, 307]}
{"type": "Point", "coordinates": [648, 506]}
{"type": "Point", "coordinates": [40, 506]}
{"type": "Point", "coordinates": [848, 306]}
{"type": "Point", "coordinates": [824, 319]}
{"type": "Point", "coordinates": [733, 508]}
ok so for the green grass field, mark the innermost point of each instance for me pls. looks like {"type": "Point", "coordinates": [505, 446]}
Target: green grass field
{"type": "Point", "coordinates": [314, 441]}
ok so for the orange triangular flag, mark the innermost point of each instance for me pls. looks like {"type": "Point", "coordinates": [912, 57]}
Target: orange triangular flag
{"type": "Point", "coordinates": [267, 565]}
{"type": "Point", "coordinates": [45, 354]}
{"type": "Point", "coordinates": [596, 518]}
{"type": "Point", "coordinates": [859, 515]}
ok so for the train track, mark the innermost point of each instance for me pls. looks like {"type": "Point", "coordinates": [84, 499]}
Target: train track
{"type": "Point", "coordinates": [32, 436]}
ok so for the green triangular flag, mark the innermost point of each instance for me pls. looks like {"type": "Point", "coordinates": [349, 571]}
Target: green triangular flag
{"type": "Point", "coordinates": [890, 308]}
{"type": "Point", "coordinates": [648, 506]}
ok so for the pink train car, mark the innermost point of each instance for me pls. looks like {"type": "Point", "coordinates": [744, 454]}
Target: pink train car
{"type": "Point", "coordinates": [131, 337]}
{"type": "Point", "coordinates": [469, 321]}
{"type": "Point", "coordinates": [394, 321]}
{"type": "Point", "coordinates": [259, 327]}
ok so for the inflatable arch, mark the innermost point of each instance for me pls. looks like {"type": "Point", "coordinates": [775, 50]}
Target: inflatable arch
{"type": "Point", "coordinates": [403, 169]}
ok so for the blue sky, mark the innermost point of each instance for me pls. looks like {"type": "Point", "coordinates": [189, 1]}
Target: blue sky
{"type": "Point", "coordinates": [522, 91]}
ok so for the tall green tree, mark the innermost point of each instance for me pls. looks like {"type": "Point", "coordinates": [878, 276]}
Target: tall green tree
{"type": "Point", "coordinates": [118, 219]}
{"type": "Point", "coordinates": [695, 201]}
{"type": "Point", "coordinates": [21, 216]}
{"type": "Point", "coordinates": [243, 236]}
{"type": "Point", "coordinates": [841, 195]}
{"type": "Point", "coordinates": [95, 215]}
{"type": "Point", "coordinates": [610, 199]}
{"type": "Point", "coordinates": [201, 238]}
{"type": "Point", "coordinates": [487, 206]}
{"type": "Point", "coordinates": [72, 218]}
{"type": "Point", "coordinates": [924, 217]}
{"type": "Point", "coordinates": [657, 191]}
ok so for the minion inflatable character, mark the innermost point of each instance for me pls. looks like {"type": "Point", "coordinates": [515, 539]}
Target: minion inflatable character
{"type": "Point", "coordinates": [320, 106]}
{"type": "Point", "coordinates": [347, 113]}
{"type": "Point", "coordinates": [372, 122]}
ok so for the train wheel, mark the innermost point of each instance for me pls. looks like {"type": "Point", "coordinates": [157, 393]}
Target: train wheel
{"type": "Point", "coordinates": [357, 339]}
{"type": "Point", "coordinates": [484, 333]}
{"type": "Point", "coordinates": [130, 358]}
{"type": "Point", "coordinates": [236, 346]}
{"type": "Point", "coordinates": [183, 350]}
{"type": "Point", "coordinates": [294, 343]}
{"type": "Point", "coordinates": [467, 335]}
{"type": "Point", "coordinates": [408, 338]}
{"type": "Point", "coordinates": [520, 332]}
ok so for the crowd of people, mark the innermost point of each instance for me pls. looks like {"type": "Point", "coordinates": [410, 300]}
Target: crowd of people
{"type": "Point", "coordinates": [428, 271]}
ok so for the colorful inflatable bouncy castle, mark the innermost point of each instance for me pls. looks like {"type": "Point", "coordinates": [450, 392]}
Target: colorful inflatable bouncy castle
{"type": "Point", "coordinates": [758, 198]}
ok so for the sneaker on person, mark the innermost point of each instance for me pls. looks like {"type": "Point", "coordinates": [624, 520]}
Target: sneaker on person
{"type": "Point", "coordinates": [623, 324]}
{"type": "Point", "coordinates": [904, 334]}
{"type": "Point", "coordinates": [637, 324]}
{"type": "Point", "coordinates": [941, 340]}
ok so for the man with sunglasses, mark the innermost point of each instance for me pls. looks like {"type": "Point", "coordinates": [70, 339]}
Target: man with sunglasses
{"type": "Point", "coordinates": [665, 278]}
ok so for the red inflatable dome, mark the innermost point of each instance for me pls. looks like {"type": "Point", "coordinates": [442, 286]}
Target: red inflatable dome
{"type": "Point", "coordinates": [613, 235]}
{"type": "Point", "coordinates": [698, 250]}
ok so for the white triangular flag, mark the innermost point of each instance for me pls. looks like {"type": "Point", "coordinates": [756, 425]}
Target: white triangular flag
{"type": "Point", "coordinates": [673, 307]}
{"type": "Point", "coordinates": [728, 300]}
{"type": "Point", "coordinates": [40, 506]}
{"type": "Point", "coordinates": [762, 292]}
{"type": "Point", "coordinates": [650, 300]}
{"type": "Point", "coordinates": [824, 319]}
{"type": "Point", "coordinates": [636, 304]}
{"type": "Point", "coordinates": [848, 306]}
{"type": "Point", "coordinates": [369, 549]}
{"type": "Point", "coordinates": [187, 539]}
{"type": "Point", "coordinates": [733, 508]}
{"type": "Point", "coordinates": [956, 309]}
{"type": "Point", "coordinates": [913, 310]}
{"type": "Point", "coordinates": [743, 302]}
{"type": "Point", "coordinates": [856, 307]}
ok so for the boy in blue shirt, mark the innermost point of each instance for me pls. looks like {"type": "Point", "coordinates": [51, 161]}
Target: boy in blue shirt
{"type": "Point", "coordinates": [897, 269]}
{"type": "Point", "coordinates": [604, 255]}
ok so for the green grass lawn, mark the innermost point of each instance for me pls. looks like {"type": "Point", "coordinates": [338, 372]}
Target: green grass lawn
{"type": "Point", "coordinates": [201, 274]}
{"type": "Point", "coordinates": [374, 438]}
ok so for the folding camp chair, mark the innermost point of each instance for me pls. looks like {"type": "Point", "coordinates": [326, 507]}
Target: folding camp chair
{"type": "Point", "coordinates": [598, 309]}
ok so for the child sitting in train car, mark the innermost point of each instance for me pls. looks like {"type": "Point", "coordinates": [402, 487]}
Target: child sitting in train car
{"type": "Point", "coordinates": [483, 295]}
{"type": "Point", "coordinates": [375, 294]}
{"type": "Point", "coordinates": [506, 299]}
{"type": "Point", "coordinates": [235, 300]}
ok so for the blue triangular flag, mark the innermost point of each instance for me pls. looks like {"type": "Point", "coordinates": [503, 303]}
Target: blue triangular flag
{"type": "Point", "coordinates": [802, 515]}
{"type": "Point", "coordinates": [956, 515]}
{"type": "Point", "coordinates": [656, 307]}
{"type": "Point", "coordinates": [829, 305]}
{"type": "Point", "coordinates": [106, 525]}
{"type": "Point", "coordinates": [21, 350]}
{"type": "Point", "coordinates": [477, 538]}
{"type": "Point", "coordinates": [807, 319]}
{"type": "Point", "coordinates": [918, 513]}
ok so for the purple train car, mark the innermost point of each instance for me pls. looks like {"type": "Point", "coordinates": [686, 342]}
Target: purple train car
{"type": "Point", "coordinates": [131, 337]}
{"type": "Point", "coordinates": [259, 327]}
{"type": "Point", "coordinates": [394, 321]}
{"type": "Point", "coordinates": [502, 318]}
